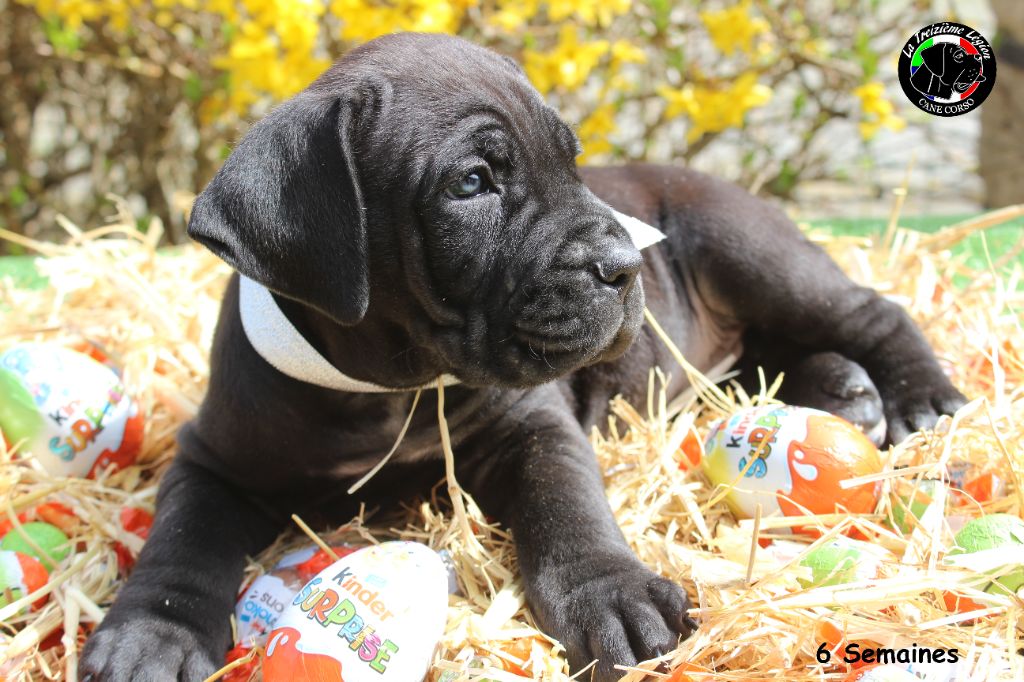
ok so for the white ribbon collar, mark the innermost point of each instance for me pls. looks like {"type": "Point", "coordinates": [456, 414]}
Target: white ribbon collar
{"type": "Point", "coordinates": [277, 340]}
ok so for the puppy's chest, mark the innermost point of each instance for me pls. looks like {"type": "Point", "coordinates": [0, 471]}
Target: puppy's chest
{"type": "Point", "coordinates": [412, 449]}
{"type": "Point", "coordinates": [470, 414]}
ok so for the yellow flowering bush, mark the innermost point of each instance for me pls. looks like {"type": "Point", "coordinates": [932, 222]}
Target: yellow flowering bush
{"type": "Point", "coordinates": [877, 111]}
{"type": "Point", "coordinates": [712, 109]}
{"type": "Point", "coordinates": [594, 130]}
{"type": "Point", "coordinates": [568, 64]}
{"type": "Point", "coordinates": [640, 79]}
{"type": "Point", "coordinates": [733, 27]}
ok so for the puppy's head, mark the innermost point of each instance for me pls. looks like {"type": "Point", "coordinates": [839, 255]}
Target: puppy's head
{"type": "Point", "coordinates": [422, 184]}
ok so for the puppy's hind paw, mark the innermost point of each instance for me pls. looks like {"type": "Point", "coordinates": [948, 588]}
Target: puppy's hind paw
{"type": "Point", "coordinates": [919, 407]}
{"type": "Point", "coordinates": [836, 384]}
{"type": "Point", "coordinates": [145, 650]}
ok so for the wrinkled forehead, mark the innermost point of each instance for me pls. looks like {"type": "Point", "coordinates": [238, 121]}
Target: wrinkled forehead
{"type": "Point", "coordinates": [510, 123]}
{"type": "Point", "coordinates": [441, 96]}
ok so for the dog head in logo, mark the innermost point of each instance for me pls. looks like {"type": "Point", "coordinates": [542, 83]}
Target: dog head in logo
{"type": "Point", "coordinates": [971, 72]}
{"type": "Point", "coordinates": [833, 451]}
{"type": "Point", "coordinates": [947, 68]}
{"type": "Point", "coordinates": [286, 661]}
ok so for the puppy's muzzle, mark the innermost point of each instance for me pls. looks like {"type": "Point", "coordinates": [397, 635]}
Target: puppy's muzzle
{"type": "Point", "coordinates": [586, 297]}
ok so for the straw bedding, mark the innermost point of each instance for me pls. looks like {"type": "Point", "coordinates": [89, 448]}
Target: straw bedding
{"type": "Point", "coordinates": [154, 315]}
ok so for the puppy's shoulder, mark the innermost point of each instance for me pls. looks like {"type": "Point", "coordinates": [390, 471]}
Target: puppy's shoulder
{"type": "Point", "coordinates": [661, 193]}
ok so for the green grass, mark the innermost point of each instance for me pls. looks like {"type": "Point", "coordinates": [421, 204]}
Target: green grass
{"type": "Point", "coordinates": [998, 240]}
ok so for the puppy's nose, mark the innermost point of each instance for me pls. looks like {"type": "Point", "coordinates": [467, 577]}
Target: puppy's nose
{"type": "Point", "coordinates": [618, 270]}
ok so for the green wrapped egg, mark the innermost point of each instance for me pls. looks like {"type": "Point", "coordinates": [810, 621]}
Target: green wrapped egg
{"type": "Point", "coordinates": [993, 532]}
{"type": "Point", "coordinates": [837, 562]}
{"type": "Point", "coordinates": [49, 538]}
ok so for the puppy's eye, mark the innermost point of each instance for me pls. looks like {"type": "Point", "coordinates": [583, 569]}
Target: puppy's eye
{"type": "Point", "coordinates": [469, 185]}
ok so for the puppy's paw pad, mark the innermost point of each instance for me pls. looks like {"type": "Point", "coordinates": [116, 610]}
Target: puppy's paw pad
{"type": "Point", "coordinates": [623, 618]}
{"type": "Point", "coordinates": [673, 605]}
{"type": "Point", "coordinates": [145, 650]}
{"type": "Point", "coordinates": [919, 408]}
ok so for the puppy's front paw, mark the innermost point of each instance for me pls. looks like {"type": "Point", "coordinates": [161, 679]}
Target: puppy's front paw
{"type": "Point", "coordinates": [913, 403]}
{"type": "Point", "coordinates": [615, 611]}
{"type": "Point", "coordinates": [146, 649]}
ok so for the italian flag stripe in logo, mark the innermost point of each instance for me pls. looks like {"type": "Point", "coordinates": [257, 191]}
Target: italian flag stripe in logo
{"type": "Point", "coordinates": [917, 60]}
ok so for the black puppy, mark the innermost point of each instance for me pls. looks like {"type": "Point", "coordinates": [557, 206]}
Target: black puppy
{"type": "Point", "coordinates": [417, 212]}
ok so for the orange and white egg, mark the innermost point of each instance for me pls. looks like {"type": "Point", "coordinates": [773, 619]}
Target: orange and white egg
{"type": "Point", "coordinates": [791, 459]}
{"type": "Point", "coordinates": [376, 614]}
{"type": "Point", "coordinates": [66, 410]}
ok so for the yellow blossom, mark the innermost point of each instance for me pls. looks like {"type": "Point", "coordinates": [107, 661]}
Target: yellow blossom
{"type": "Point", "coordinates": [364, 20]}
{"type": "Point", "coordinates": [714, 109]}
{"type": "Point", "coordinates": [361, 21]}
{"type": "Point", "coordinates": [513, 14]}
{"type": "Point", "coordinates": [164, 19]}
{"type": "Point", "coordinates": [625, 52]}
{"type": "Point", "coordinates": [272, 51]}
{"type": "Point", "coordinates": [814, 47]}
{"type": "Point", "coordinates": [733, 27]}
{"type": "Point", "coordinates": [877, 111]}
{"type": "Point", "coordinates": [620, 83]}
{"type": "Point", "coordinates": [567, 65]}
{"type": "Point", "coordinates": [594, 130]}
{"type": "Point", "coordinates": [225, 8]}
{"type": "Point", "coordinates": [589, 12]}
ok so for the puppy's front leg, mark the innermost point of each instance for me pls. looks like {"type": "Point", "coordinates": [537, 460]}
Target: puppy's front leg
{"type": "Point", "coordinates": [171, 620]}
{"type": "Point", "coordinates": [583, 583]}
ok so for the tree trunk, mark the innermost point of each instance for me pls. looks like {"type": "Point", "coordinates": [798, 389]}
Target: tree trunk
{"type": "Point", "coordinates": [1001, 153]}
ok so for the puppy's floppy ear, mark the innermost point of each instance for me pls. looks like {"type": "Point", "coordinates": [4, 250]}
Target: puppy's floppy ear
{"type": "Point", "coordinates": [934, 58]}
{"type": "Point", "coordinates": [286, 209]}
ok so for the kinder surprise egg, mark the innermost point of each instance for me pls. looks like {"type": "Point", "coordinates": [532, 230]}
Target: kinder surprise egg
{"type": "Point", "coordinates": [263, 602]}
{"type": "Point", "coordinates": [266, 598]}
{"type": "Point", "coordinates": [70, 410]}
{"type": "Point", "coordinates": [376, 614]}
{"type": "Point", "coordinates": [800, 456]}
{"type": "Point", "coordinates": [20, 574]}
